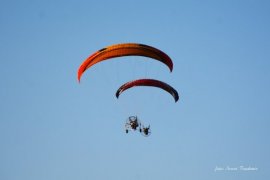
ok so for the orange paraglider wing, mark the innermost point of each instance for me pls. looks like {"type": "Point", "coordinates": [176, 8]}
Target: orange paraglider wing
{"type": "Point", "coordinates": [126, 49]}
{"type": "Point", "coordinates": [148, 82]}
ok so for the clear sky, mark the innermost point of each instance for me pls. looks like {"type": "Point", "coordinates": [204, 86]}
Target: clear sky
{"type": "Point", "coordinates": [53, 128]}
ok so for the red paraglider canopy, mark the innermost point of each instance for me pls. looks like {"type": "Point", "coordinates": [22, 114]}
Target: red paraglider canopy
{"type": "Point", "coordinates": [126, 49]}
{"type": "Point", "coordinates": [148, 82]}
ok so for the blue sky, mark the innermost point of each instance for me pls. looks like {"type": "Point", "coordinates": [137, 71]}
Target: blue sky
{"type": "Point", "coordinates": [52, 127]}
